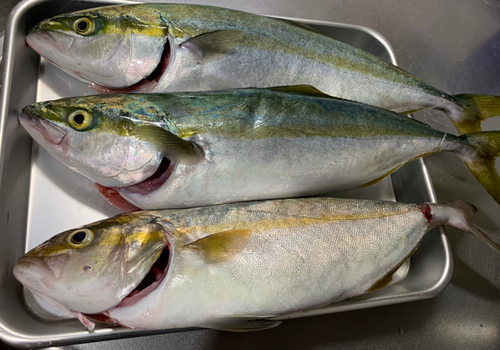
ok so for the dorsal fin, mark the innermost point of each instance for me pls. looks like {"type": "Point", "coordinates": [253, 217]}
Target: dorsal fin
{"type": "Point", "coordinates": [221, 246]}
{"type": "Point", "coordinates": [303, 26]}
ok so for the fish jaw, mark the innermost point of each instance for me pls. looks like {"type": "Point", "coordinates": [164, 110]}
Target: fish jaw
{"type": "Point", "coordinates": [97, 276]}
{"type": "Point", "coordinates": [112, 161]}
{"type": "Point", "coordinates": [42, 131]}
{"type": "Point", "coordinates": [110, 60]}
{"type": "Point", "coordinates": [45, 45]}
{"type": "Point", "coordinates": [44, 277]}
{"type": "Point", "coordinates": [36, 278]}
{"type": "Point", "coordinates": [38, 275]}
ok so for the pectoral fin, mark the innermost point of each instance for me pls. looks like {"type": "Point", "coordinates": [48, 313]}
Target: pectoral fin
{"type": "Point", "coordinates": [213, 46]}
{"type": "Point", "coordinates": [221, 246]}
{"type": "Point", "coordinates": [170, 145]}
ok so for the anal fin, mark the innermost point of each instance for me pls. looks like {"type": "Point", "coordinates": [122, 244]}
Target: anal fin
{"type": "Point", "coordinates": [245, 324]}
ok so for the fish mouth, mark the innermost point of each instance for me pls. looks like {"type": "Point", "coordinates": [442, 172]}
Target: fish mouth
{"type": "Point", "coordinates": [41, 43]}
{"type": "Point", "coordinates": [151, 184]}
{"type": "Point", "coordinates": [27, 267]}
{"type": "Point", "coordinates": [49, 131]}
{"type": "Point", "coordinates": [146, 286]}
{"type": "Point", "coordinates": [38, 273]}
{"type": "Point", "coordinates": [146, 85]}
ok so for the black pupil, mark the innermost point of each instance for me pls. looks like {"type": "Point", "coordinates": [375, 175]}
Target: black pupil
{"type": "Point", "coordinates": [79, 119]}
{"type": "Point", "coordinates": [78, 237]}
{"type": "Point", "coordinates": [82, 25]}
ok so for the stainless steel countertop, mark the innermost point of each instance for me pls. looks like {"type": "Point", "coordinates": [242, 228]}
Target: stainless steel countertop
{"type": "Point", "coordinates": [455, 46]}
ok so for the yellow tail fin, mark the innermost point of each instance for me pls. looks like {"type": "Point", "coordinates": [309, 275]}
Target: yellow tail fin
{"type": "Point", "coordinates": [481, 162]}
{"type": "Point", "coordinates": [474, 110]}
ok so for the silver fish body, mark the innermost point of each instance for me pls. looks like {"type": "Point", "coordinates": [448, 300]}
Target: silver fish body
{"type": "Point", "coordinates": [172, 47]}
{"type": "Point", "coordinates": [252, 144]}
{"type": "Point", "coordinates": [234, 266]}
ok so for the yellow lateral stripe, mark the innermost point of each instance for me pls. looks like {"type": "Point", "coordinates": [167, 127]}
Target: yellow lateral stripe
{"type": "Point", "coordinates": [259, 226]}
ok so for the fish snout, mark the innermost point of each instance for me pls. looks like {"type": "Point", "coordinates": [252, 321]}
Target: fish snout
{"type": "Point", "coordinates": [34, 271]}
{"type": "Point", "coordinates": [63, 41]}
{"type": "Point", "coordinates": [31, 272]}
{"type": "Point", "coordinates": [48, 130]}
{"type": "Point", "coordinates": [39, 41]}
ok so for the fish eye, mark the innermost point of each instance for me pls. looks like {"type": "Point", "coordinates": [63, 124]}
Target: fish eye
{"type": "Point", "coordinates": [83, 26]}
{"type": "Point", "coordinates": [80, 238]}
{"type": "Point", "coordinates": [80, 120]}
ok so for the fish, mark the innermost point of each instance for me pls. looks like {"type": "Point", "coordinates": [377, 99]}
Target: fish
{"type": "Point", "coordinates": [182, 47]}
{"type": "Point", "coordinates": [231, 267]}
{"type": "Point", "coordinates": [179, 150]}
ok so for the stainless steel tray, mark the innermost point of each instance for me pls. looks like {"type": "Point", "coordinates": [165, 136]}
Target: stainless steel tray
{"type": "Point", "coordinates": [39, 197]}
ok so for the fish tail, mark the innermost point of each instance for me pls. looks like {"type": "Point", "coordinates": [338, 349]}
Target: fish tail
{"type": "Point", "coordinates": [479, 155]}
{"type": "Point", "coordinates": [457, 214]}
{"type": "Point", "coordinates": [471, 110]}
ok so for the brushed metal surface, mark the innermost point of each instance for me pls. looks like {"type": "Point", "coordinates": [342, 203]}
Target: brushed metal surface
{"type": "Point", "coordinates": [454, 45]}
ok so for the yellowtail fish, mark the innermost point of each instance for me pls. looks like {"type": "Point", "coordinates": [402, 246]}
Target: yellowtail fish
{"type": "Point", "coordinates": [173, 47]}
{"type": "Point", "coordinates": [159, 151]}
{"type": "Point", "coordinates": [231, 267]}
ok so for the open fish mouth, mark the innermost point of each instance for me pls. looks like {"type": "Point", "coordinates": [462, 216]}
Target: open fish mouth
{"type": "Point", "coordinates": [148, 284]}
{"type": "Point", "coordinates": [151, 184]}
{"type": "Point", "coordinates": [146, 85]}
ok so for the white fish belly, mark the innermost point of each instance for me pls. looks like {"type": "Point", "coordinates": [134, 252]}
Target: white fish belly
{"type": "Point", "coordinates": [243, 170]}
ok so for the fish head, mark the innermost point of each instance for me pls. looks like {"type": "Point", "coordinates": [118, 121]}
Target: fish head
{"type": "Point", "coordinates": [94, 138]}
{"type": "Point", "coordinates": [112, 47]}
{"type": "Point", "coordinates": [93, 268]}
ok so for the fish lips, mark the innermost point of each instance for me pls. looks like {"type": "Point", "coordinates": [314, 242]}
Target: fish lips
{"type": "Point", "coordinates": [36, 274]}
{"type": "Point", "coordinates": [40, 128]}
{"type": "Point", "coordinates": [54, 47]}
{"type": "Point", "coordinates": [49, 43]}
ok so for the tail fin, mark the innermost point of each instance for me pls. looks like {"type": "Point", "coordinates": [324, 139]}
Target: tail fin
{"type": "Point", "coordinates": [459, 214]}
{"type": "Point", "coordinates": [474, 110]}
{"type": "Point", "coordinates": [481, 162]}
